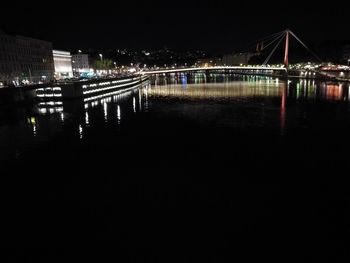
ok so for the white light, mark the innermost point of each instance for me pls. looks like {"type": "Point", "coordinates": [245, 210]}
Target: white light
{"type": "Point", "coordinates": [109, 88]}
{"type": "Point", "coordinates": [80, 132]}
{"type": "Point", "coordinates": [43, 110]}
{"type": "Point", "coordinates": [118, 114]}
{"type": "Point", "coordinates": [105, 111]}
{"type": "Point", "coordinates": [121, 92]}
{"type": "Point", "coordinates": [87, 118]}
{"type": "Point", "coordinates": [34, 130]}
{"type": "Point", "coordinates": [134, 104]}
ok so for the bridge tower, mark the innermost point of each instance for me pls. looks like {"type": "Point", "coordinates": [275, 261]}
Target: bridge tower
{"type": "Point", "coordinates": [286, 51]}
{"type": "Point", "coordinates": [279, 37]}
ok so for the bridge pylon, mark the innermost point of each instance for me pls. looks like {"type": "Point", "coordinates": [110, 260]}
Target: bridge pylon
{"type": "Point", "coordinates": [279, 37]}
{"type": "Point", "coordinates": [286, 51]}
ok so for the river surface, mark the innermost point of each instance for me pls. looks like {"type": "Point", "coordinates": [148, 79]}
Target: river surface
{"type": "Point", "coordinates": [241, 166]}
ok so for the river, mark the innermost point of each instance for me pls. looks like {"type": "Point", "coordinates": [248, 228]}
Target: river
{"type": "Point", "coordinates": [236, 163]}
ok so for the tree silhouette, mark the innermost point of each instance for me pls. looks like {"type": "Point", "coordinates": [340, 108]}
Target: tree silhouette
{"type": "Point", "coordinates": [103, 64]}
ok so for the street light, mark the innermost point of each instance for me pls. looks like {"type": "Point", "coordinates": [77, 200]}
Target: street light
{"type": "Point", "coordinates": [115, 64]}
{"type": "Point", "coordinates": [101, 56]}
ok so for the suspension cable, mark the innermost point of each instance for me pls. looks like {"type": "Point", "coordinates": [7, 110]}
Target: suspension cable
{"type": "Point", "coordinates": [274, 40]}
{"type": "Point", "coordinates": [263, 39]}
{"type": "Point", "coordinates": [279, 42]}
{"type": "Point", "coordinates": [305, 46]}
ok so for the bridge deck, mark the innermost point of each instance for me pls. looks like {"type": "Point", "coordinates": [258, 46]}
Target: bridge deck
{"type": "Point", "coordinates": [175, 70]}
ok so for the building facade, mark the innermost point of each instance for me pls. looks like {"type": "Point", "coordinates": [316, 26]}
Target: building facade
{"type": "Point", "coordinates": [63, 64]}
{"type": "Point", "coordinates": [80, 64]}
{"type": "Point", "coordinates": [209, 62]}
{"type": "Point", "coordinates": [25, 60]}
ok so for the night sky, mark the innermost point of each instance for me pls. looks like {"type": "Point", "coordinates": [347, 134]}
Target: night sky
{"type": "Point", "coordinates": [217, 26]}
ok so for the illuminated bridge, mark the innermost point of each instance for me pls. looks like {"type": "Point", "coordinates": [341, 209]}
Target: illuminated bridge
{"type": "Point", "coordinates": [216, 68]}
{"type": "Point", "coordinates": [274, 41]}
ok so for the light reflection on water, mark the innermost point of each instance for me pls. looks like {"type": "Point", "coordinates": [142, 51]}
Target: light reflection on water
{"type": "Point", "coordinates": [80, 131]}
{"type": "Point", "coordinates": [250, 101]}
{"type": "Point", "coordinates": [118, 114]}
{"type": "Point", "coordinates": [86, 118]}
{"type": "Point", "coordinates": [105, 113]}
{"type": "Point", "coordinates": [134, 104]}
{"type": "Point", "coordinates": [218, 90]}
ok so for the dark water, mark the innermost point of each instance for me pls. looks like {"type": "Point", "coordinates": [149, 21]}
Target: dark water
{"type": "Point", "coordinates": [234, 169]}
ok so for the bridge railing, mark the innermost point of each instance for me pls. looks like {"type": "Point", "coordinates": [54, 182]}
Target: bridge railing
{"type": "Point", "coordinates": [249, 68]}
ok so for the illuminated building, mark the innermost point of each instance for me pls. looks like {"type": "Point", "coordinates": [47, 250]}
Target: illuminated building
{"type": "Point", "coordinates": [63, 64]}
{"type": "Point", "coordinates": [80, 63]}
{"type": "Point", "coordinates": [24, 59]}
